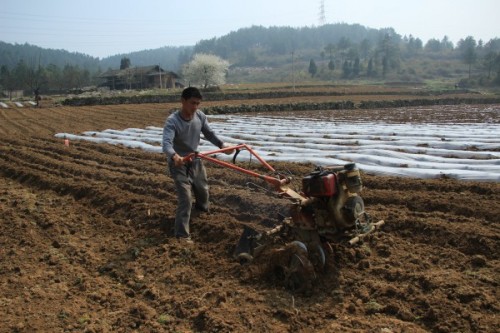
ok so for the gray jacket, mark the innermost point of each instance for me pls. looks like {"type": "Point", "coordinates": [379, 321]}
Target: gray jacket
{"type": "Point", "coordinates": [183, 136]}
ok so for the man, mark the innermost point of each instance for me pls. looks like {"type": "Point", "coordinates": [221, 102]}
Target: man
{"type": "Point", "coordinates": [181, 136]}
{"type": "Point", "coordinates": [37, 97]}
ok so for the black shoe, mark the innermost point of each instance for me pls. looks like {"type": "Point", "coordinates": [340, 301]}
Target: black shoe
{"type": "Point", "coordinates": [204, 210]}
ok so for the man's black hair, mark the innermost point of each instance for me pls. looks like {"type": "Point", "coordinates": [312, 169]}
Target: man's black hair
{"type": "Point", "coordinates": [191, 92]}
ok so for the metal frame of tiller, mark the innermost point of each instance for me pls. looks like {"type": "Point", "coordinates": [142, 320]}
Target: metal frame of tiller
{"type": "Point", "coordinates": [278, 182]}
{"type": "Point", "coordinates": [307, 252]}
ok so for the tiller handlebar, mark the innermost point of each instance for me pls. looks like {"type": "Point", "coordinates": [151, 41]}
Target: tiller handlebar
{"type": "Point", "coordinates": [278, 182]}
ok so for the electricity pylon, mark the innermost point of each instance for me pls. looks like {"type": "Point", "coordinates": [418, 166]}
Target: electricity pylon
{"type": "Point", "coordinates": [322, 12]}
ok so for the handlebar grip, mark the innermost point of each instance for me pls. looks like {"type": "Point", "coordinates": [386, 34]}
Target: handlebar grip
{"type": "Point", "coordinates": [190, 157]}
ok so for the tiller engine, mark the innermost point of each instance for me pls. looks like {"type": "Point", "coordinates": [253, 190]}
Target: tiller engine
{"type": "Point", "coordinates": [328, 209]}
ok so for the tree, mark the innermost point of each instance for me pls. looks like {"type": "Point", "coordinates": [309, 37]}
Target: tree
{"type": "Point", "coordinates": [446, 44]}
{"type": "Point", "coordinates": [36, 76]}
{"type": "Point", "coordinates": [331, 65]}
{"type": "Point", "coordinates": [313, 69]}
{"type": "Point", "coordinates": [467, 49]}
{"type": "Point", "coordinates": [343, 45]}
{"type": "Point", "coordinates": [388, 50]}
{"type": "Point", "coordinates": [249, 58]}
{"type": "Point", "coordinates": [356, 67]}
{"type": "Point", "coordinates": [491, 49]}
{"type": "Point", "coordinates": [71, 77]}
{"type": "Point", "coordinates": [346, 69]}
{"type": "Point", "coordinates": [414, 46]}
{"type": "Point", "coordinates": [21, 74]}
{"type": "Point", "coordinates": [7, 82]}
{"type": "Point", "coordinates": [433, 45]}
{"type": "Point", "coordinates": [125, 63]}
{"type": "Point", "coordinates": [54, 76]}
{"type": "Point", "coordinates": [329, 48]}
{"type": "Point", "coordinates": [497, 66]}
{"type": "Point", "coordinates": [489, 62]}
{"type": "Point", "coordinates": [184, 56]}
{"type": "Point", "coordinates": [370, 71]}
{"type": "Point", "coordinates": [385, 66]}
{"type": "Point", "coordinates": [206, 69]}
{"type": "Point", "coordinates": [364, 48]}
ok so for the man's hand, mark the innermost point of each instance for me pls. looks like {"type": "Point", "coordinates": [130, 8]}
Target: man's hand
{"type": "Point", "coordinates": [227, 152]}
{"type": "Point", "coordinates": [178, 161]}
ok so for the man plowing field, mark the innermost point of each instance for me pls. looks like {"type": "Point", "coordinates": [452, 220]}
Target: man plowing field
{"type": "Point", "coordinates": [326, 209]}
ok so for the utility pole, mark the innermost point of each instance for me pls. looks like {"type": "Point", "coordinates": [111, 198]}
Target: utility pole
{"type": "Point", "coordinates": [159, 71]}
{"type": "Point", "coordinates": [293, 72]}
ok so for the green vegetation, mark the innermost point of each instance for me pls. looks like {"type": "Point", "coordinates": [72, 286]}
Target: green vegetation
{"type": "Point", "coordinates": [335, 53]}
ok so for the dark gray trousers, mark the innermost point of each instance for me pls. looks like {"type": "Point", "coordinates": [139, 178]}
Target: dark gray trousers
{"type": "Point", "coordinates": [189, 179]}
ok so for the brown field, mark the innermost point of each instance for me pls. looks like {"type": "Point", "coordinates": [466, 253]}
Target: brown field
{"type": "Point", "coordinates": [86, 244]}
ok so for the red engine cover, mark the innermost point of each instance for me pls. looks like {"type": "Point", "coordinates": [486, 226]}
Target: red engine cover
{"type": "Point", "coordinates": [322, 185]}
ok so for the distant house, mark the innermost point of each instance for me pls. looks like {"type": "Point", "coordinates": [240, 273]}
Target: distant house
{"type": "Point", "coordinates": [13, 93]}
{"type": "Point", "coordinates": [145, 77]}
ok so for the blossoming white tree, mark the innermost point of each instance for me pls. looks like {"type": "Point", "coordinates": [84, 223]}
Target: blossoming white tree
{"type": "Point", "coordinates": [206, 69]}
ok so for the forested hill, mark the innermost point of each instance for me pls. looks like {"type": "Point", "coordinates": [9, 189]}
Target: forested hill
{"type": "Point", "coordinates": [257, 44]}
{"type": "Point", "coordinates": [246, 46]}
{"type": "Point", "coordinates": [329, 52]}
{"type": "Point", "coordinates": [34, 56]}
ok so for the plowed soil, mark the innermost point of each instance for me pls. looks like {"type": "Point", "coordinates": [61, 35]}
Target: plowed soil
{"type": "Point", "coordinates": [86, 244]}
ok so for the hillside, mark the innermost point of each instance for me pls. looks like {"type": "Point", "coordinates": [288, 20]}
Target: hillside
{"type": "Point", "coordinates": [34, 56]}
{"type": "Point", "coordinates": [331, 52]}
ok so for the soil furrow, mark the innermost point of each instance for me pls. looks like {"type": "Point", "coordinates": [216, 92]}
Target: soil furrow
{"type": "Point", "coordinates": [87, 243]}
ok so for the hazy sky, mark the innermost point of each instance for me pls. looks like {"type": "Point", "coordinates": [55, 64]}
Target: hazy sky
{"type": "Point", "coordinates": [103, 28]}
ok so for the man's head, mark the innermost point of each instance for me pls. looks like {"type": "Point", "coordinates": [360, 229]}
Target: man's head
{"type": "Point", "coordinates": [190, 99]}
{"type": "Point", "coordinates": [191, 92]}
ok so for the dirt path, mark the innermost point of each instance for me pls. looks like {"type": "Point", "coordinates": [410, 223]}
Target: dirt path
{"type": "Point", "coordinates": [86, 245]}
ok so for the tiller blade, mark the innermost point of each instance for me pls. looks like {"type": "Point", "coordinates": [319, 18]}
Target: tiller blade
{"type": "Point", "coordinates": [248, 242]}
